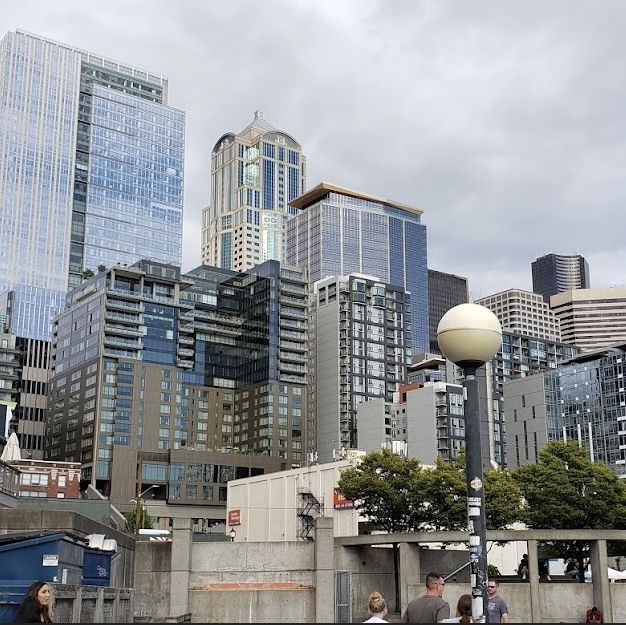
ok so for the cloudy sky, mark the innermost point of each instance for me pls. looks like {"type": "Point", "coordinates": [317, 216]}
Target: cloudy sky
{"type": "Point", "coordinates": [504, 121]}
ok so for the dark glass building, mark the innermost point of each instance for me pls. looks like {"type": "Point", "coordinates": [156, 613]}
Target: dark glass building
{"type": "Point", "coordinates": [555, 273]}
{"type": "Point", "coordinates": [146, 359]}
{"type": "Point", "coordinates": [445, 291]}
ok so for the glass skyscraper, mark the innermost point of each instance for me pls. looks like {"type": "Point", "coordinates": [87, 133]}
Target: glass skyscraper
{"type": "Point", "coordinates": [555, 273]}
{"type": "Point", "coordinates": [254, 176]}
{"type": "Point", "coordinates": [91, 173]}
{"type": "Point", "coordinates": [339, 231]}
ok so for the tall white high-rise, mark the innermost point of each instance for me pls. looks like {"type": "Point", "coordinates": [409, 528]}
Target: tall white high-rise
{"type": "Point", "coordinates": [254, 176]}
{"type": "Point", "coordinates": [91, 173]}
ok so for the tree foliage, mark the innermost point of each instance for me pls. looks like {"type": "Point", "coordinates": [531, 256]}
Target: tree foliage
{"type": "Point", "coordinates": [397, 494]}
{"type": "Point", "coordinates": [145, 520]}
{"type": "Point", "coordinates": [382, 487]}
{"type": "Point", "coordinates": [565, 490]}
{"type": "Point", "coordinates": [445, 488]}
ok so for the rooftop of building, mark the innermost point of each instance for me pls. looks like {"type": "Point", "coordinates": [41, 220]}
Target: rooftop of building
{"type": "Point", "coordinates": [510, 293]}
{"type": "Point", "coordinates": [614, 349]}
{"type": "Point", "coordinates": [259, 125]}
{"type": "Point", "coordinates": [323, 189]}
{"type": "Point", "coordinates": [97, 59]}
{"type": "Point", "coordinates": [578, 295]}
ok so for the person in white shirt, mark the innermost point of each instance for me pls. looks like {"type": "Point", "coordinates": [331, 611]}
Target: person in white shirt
{"type": "Point", "coordinates": [376, 608]}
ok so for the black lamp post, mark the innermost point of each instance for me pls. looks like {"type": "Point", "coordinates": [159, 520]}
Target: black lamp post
{"type": "Point", "coordinates": [469, 335]}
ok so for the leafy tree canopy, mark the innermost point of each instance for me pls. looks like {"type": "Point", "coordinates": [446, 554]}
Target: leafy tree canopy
{"type": "Point", "coordinates": [382, 487]}
{"type": "Point", "coordinates": [565, 490]}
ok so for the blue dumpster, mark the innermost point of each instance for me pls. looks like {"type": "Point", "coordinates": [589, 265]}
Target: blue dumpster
{"type": "Point", "coordinates": [29, 557]}
{"type": "Point", "coordinates": [97, 567]}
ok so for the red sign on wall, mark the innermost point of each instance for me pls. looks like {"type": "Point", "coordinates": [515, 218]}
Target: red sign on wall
{"type": "Point", "coordinates": [340, 502]}
{"type": "Point", "coordinates": [234, 517]}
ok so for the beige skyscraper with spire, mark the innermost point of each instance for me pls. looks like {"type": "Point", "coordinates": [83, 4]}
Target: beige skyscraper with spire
{"type": "Point", "coordinates": [254, 176]}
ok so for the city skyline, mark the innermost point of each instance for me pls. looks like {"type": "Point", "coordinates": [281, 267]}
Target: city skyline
{"type": "Point", "coordinates": [510, 123]}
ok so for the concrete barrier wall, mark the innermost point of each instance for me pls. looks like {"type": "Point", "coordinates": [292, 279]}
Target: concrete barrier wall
{"type": "Point", "coordinates": [152, 579]}
{"type": "Point", "coordinates": [278, 582]}
{"type": "Point", "coordinates": [252, 606]}
{"type": "Point", "coordinates": [252, 582]}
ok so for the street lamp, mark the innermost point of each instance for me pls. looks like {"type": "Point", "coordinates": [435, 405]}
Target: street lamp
{"type": "Point", "coordinates": [233, 533]}
{"type": "Point", "coordinates": [138, 508]}
{"type": "Point", "coordinates": [469, 335]}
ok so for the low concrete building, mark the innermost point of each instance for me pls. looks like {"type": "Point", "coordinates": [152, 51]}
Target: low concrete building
{"type": "Point", "coordinates": [284, 506]}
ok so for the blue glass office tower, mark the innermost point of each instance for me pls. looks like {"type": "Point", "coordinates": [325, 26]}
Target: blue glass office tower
{"type": "Point", "coordinates": [339, 231]}
{"type": "Point", "coordinates": [91, 173]}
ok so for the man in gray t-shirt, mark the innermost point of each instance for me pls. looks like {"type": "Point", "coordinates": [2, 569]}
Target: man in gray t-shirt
{"type": "Point", "coordinates": [496, 605]}
{"type": "Point", "coordinates": [430, 608]}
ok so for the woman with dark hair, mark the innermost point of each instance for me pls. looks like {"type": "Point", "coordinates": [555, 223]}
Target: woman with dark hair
{"type": "Point", "coordinates": [463, 611]}
{"type": "Point", "coordinates": [35, 607]}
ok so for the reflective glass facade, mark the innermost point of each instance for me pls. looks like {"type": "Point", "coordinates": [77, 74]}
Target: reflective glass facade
{"type": "Point", "coordinates": [135, 191]}
{"type": "Point", "coordinates": [341, 234]}
{"type": "Point", "coordinates": [38, 114]}
{"type": "Point", "coordinates": [91, 165]}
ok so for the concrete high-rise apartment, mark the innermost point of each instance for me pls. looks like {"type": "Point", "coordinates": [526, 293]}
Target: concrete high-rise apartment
{"type": "Point", "coordinates": [254, 176]}
{"type": "Point", "coordinates": [555, 273]}
{"type": "Point", "coordinates": [445, 291]}
{"type": "Point", "coordinates": [591, 318]}
{"type": "Point", "coordinates": [523, 312]}
{"type": "Point", "coordinates": [339, 231]}
{"type": "Point", "coordinates": [583, 400]}
{"type": "Point", "coordinates": [424, 422]}
{"type": "Point", "coordinates": [359, 348]}
{"type": "Point", "coordinates": [91, 172]}
{"type": "Point", "coordinates": [154, 367]}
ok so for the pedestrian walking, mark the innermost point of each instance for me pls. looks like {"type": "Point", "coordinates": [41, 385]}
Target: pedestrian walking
{"type": "Point", "coordinates": [429, 608]}
{"type": "Point", "coordinates": [496, 605]}
{"type": "Point", "coordinates": [35, 608]}
{"type": "Point", "coordinates": [376, 608]}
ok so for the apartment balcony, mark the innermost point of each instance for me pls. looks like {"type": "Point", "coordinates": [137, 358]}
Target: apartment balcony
{"type": "Point", "coordinates": [186, 328]}
{"type": "Point", "coordinates": [109, 329]}
{"type": "Point", "coordinates": [117, 304]}
{"type": "Point", "coordinates": [292, 345]}
{"type": "Point", "coordinates": [295, 301]}
{"type": "Point", "coordinates": [286, 287]}
{"type": "Point", "coordinates": [289, 334]}
{"type": "Point", "coordinates": [287, 366]}
{"type": "Point", "coordinates": [293, 314]}
{"type": "Point", "coordinates": [294, 379]}
{"type": "Point", "coordinates": [183, 339]}
{"type": "Point", "coordinates": [291, 357]}
{"type": "Point", "coordinates": [289, 323]}
{"type": "Point", "coordinates": [135, 295]}
{"type": "Point", "coordinates": [116, 341]}
{"type": "Point", "coordinates": [184, 351]}
{"type": "Point", "coordinates": [186, 364]}
{"type": "Point", "coordinates": [122, 317]}
{"type": "Point", "coordinates": [441, 402]}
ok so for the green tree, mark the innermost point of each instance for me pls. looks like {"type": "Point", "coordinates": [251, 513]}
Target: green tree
{"type": "Point", "coordinates": [87, 273]}
{"type": "Point", "coordinates": [445, 489]}
{"type": "Point", "coordinates": [565, 490]}
{"type": "Point", "coordinates": [383, 489]}
{"type": "Point", "coordinates": [102, 268]}
{"type": "Point", "coordinates": [145, 520]}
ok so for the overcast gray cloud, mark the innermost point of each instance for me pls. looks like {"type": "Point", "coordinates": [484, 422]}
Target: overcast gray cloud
{"type": "Point", "coordinates": [504, 122]}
